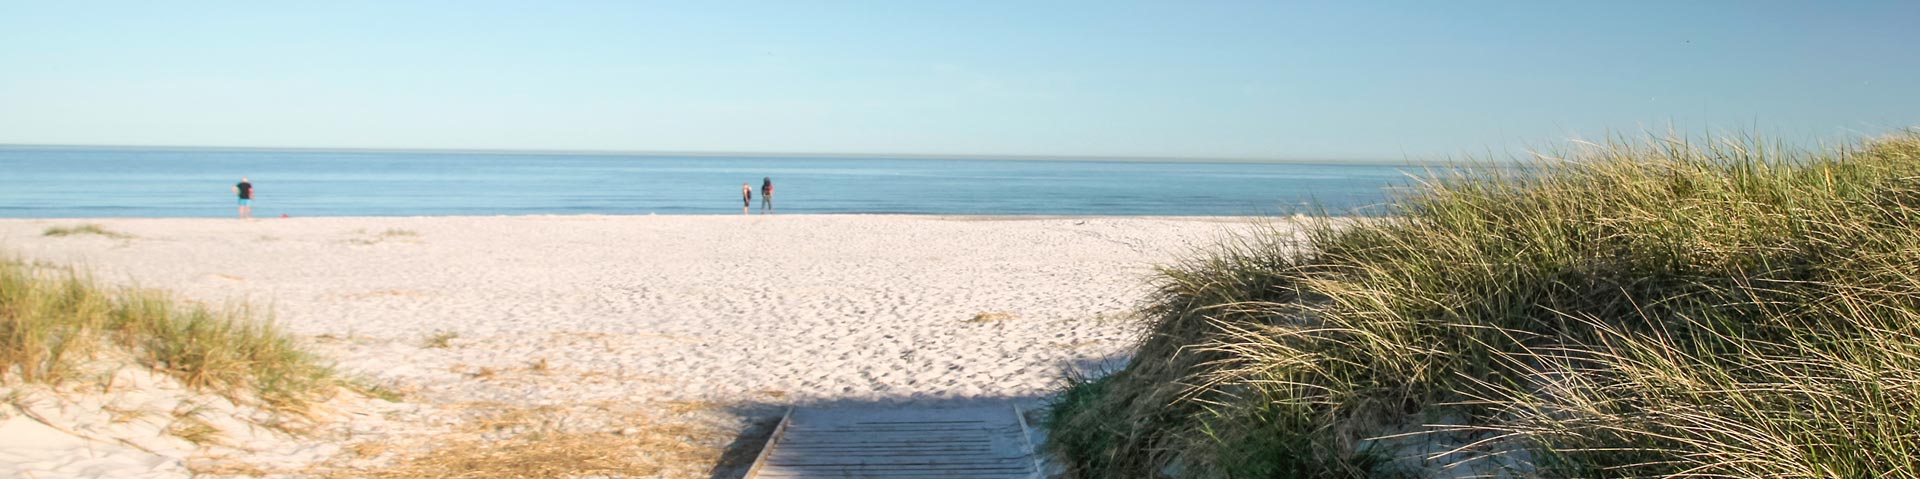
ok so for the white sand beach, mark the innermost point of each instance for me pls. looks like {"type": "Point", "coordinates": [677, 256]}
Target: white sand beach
{"type": "Point", "coordinates": [714, 318]}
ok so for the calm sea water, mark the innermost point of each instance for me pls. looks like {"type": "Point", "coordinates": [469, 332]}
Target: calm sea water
{"type": "Point", "coordinates": [127, 182]}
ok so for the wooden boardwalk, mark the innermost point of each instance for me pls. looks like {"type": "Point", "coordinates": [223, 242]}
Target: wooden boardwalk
{"type": "Point", "coordinates": [929, 442]}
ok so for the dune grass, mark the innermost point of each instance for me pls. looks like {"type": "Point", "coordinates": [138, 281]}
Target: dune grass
{"type": "Point", "coordinates": [535, 443]}
{"type": "Point", "coordinates": [384, 235]}
{"type": "Point", "coordinates": [1649, 309]}
{"type": "Point", "coordinates": [990, 317]}
{"type": "Point", "coordinates": [439, 339]}
{"type": "Point", "coordinates": [53, 321]}
{"type": "Point", "coordinates": [86, 229]}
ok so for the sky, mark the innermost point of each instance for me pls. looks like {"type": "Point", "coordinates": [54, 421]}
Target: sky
{"type": "Point", "coordinates": [1202, 79]}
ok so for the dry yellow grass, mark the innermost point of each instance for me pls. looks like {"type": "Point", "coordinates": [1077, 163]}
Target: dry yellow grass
{"type": "Point", "coordinates": [226, 467]}
{"type": "Point", "coordinates": [683, 407]}
{"type": "Point", "coordinates": [86, 229]}
{"type": "Point", "coordinates": [370, 448]}
{"type": "Point", "coordinates": [439, 340]}
{"type": "Point", "coordinates": [990, 316]}
{"type": "Point", "coordinates": [383, 236]}
{"type": "Point", "coordinates": [539, 446]}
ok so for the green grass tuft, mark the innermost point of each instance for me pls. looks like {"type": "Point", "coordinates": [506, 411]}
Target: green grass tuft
{"type": "Point", "coordinates": [50, 322]}
{"type": "Point", "coordinates": [86, 229]}
{"type": "Point", "coordinates": [1663, 309]}
{"type": "Point", "coordinates": [439, 339]}
{"type": "Point", "coordinates": [388, 234]}
{"type": "Point", "coordinates": [372, 389]}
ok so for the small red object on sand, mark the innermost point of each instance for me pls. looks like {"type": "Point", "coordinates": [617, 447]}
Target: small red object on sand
{"type": "Point", "coordinates": [283, 215]}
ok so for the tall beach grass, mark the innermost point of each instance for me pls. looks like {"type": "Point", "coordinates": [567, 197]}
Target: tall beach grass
{"type": "Point", "coordinates": [54, 321]}
{"type": "Point", "coordinates": [1659, 308]}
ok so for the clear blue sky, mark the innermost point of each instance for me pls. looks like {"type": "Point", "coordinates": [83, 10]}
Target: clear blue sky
{"type": "Point", "coordinates": [1379, 80]}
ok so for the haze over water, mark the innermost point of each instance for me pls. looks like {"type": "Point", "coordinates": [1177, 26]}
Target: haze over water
{"type": "Point", "coordinates": [135, 182]}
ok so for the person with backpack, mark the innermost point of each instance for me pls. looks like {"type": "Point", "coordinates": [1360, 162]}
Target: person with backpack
{"type": "Point", "coordinates": [766, 195]}
{"type": "Point", "coordinates": [245, 190]}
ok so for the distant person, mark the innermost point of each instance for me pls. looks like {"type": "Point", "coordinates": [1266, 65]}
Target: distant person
{"type": "Point", "coordinates": [766, 195]}
{"type": "Point", "coordinates": [245, 190]}
{"type": "Point", "coordinates": [746, 198]}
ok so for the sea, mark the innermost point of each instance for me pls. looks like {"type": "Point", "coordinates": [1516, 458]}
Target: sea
{"type": "Point", "coordinates": [90, 182]}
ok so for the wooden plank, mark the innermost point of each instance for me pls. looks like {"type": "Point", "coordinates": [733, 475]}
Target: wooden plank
{"type": "Point", "coordinates": [772, 439]}
{"type": "Point", "coordinates": [936, 442]}
{"type": "Point", "coordinates": [1026, 437]}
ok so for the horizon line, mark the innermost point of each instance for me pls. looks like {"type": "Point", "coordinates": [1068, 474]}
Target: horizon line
{"type": "Point", "coordinates": [745, 154]}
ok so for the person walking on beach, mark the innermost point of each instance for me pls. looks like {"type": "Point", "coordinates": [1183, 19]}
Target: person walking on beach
{"type": "Point", "coordinates": [245, 190]}
{"type": "Point", "coordinates": [766, 195]}
{"type": "Point", "coordinates": [746, 198]}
